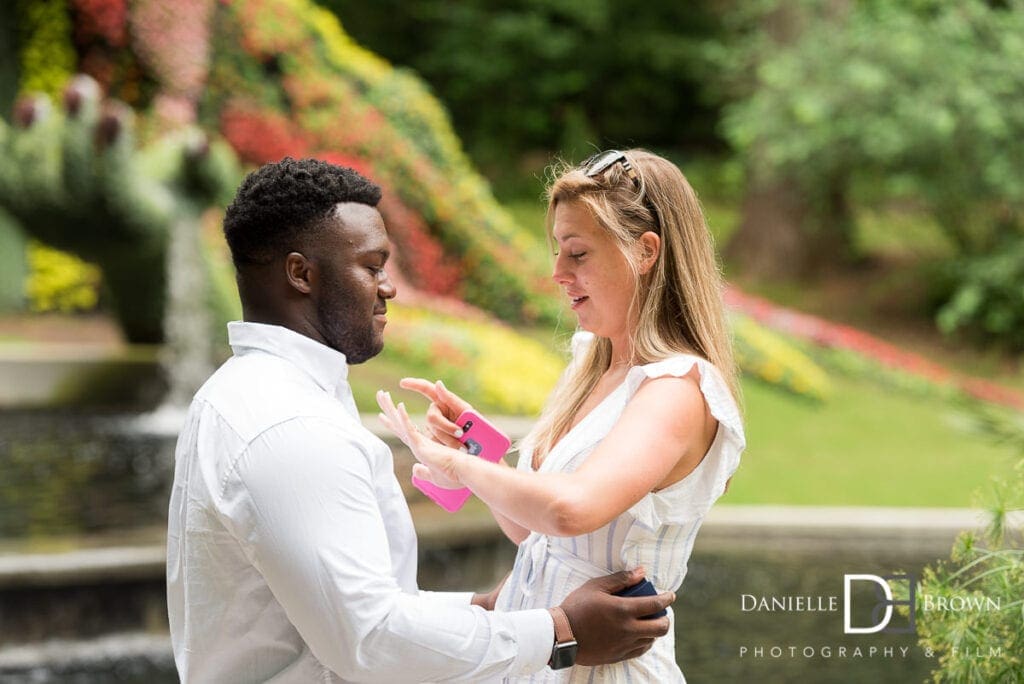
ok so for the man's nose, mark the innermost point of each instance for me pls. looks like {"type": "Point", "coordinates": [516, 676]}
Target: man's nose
{"type": "Point", "coordinates": [386, 288]}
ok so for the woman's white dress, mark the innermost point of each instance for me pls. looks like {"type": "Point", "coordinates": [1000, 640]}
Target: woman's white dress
{"type": "Point", "coordinates": [657, 533]}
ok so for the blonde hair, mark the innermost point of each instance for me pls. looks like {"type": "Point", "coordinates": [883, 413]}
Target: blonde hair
{"type": "Point", "coordinates": [677, 305]}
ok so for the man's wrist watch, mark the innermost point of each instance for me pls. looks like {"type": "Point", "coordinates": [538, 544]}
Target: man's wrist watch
{"type": "Point", "coordinates": [563, 653]}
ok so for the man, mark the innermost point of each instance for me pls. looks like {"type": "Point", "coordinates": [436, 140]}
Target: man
{"type": "Point", "coordinates": [291, 555]}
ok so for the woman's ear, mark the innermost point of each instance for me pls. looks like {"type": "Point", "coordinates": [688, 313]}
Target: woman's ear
{"type": "Point", "coordinates": [650, 248]}
{"type": "Point", "coordinates": [299, 272]}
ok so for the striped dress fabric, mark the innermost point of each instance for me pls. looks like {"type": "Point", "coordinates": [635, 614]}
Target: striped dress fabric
{"type": "Point", "coordinates": [657, 532]}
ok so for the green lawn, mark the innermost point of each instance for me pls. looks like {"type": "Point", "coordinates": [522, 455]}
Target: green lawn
{"type": "Point", "coordinates": [868, 445]}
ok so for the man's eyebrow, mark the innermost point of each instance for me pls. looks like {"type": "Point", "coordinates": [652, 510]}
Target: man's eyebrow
{"type": "Point", "coordinates": [383, 252]}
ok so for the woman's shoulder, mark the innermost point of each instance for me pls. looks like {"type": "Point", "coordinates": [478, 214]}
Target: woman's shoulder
{"type": "Point", "coordinates": [705, 378]}
{"type": "Point", "coordinates": [677, 366]}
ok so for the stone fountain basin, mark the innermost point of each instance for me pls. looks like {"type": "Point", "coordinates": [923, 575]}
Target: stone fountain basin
{"type": "Point", "coordinates": [35, 375]}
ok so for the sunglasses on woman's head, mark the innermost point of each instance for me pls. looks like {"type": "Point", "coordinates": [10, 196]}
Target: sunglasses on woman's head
{"type": "Point", "coordinates": [602, 161]}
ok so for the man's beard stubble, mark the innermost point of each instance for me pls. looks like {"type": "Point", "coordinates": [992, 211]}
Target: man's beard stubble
{"type": "Point", "coordinates": [344, 328]}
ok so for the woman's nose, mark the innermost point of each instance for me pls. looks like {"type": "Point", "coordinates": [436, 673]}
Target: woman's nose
{"type": "Point", "coordinates": [561, 274]}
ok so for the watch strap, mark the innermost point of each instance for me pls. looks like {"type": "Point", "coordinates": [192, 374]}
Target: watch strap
{"type": "Point", "coordinates": [563, 630]}
{"type": "Point", "coordinates": [565, 648]}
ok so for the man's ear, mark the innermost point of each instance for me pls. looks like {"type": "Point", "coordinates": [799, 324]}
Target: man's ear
{"type": "Point", "coordinates": [650, 247]}
{"type": "Point", "coordinates": [300, 272]}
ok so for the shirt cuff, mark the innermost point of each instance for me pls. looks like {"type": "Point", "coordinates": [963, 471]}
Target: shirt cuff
{"type": "Point", "coordinates": [448, 598]}
{"type": "Point", "coordinates": [535, 635]}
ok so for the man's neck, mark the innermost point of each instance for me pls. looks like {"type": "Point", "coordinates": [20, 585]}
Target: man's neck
{"type": "Point", "coordinates": [295, 323]}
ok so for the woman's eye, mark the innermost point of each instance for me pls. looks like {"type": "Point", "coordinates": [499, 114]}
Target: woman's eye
{"type": "Point", "coordinates": [577, 255]}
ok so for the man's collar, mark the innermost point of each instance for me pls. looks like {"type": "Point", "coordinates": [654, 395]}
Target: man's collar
{"type": "Point", "coordinates": [326, 366]}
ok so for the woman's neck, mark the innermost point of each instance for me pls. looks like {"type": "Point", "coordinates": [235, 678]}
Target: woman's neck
{"type": "Point", "coordinates": [622, 354]}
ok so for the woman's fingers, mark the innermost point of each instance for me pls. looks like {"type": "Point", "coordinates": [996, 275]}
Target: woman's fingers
{"type": "Point", "coordinates": [387, 422]}
{"type": "Point", "coordinates": [451, 404]}
{"type": "Point", "coordinates": [445, 431]}
{"type": "Point", "coordinates": [450, 399]}
{"type": "Point", "coordinates": [423, 472]}
{"type": "Point", "coordinates": [397, 419]}
{"type": "Point", "coordinates": [387, 406]}
{"type": "Point", "coordinates": [424, 387]}
{"type": "Point", "coordinates": [444, 408]}
{"type": "Point", "coordinates": [392, 418]}
{"type": "Point", "coordinates": [439, 415]}
{"type": "Point", "coordinates": [412, 432]}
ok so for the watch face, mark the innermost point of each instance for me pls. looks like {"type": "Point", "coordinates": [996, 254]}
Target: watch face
{"type": "Point", "coordinates": [564, 655]}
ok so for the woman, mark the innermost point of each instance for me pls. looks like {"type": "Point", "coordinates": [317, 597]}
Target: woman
{"type": "Point", "coordinates": [642, 432]}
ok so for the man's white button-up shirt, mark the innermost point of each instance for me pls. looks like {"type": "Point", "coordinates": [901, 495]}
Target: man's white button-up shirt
{"type": "Point", "coordinates": [291, 554]}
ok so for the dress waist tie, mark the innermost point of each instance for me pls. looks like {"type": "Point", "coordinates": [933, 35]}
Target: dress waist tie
{"type": "Point", "coordinates": [535, 550]}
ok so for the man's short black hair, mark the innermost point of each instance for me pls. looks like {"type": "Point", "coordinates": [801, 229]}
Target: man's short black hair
{"type": "Point", "coordinates": [278, 206]}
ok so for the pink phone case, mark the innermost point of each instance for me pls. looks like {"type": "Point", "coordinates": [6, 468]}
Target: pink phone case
{"type": "Point", "coordinates": [483, 440]}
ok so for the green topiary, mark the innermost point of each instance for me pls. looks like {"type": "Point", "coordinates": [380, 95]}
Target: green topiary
{"type": "Point", "coordinates": [77, 181]}
{"type": "Point", "coordinates": [12, 264]}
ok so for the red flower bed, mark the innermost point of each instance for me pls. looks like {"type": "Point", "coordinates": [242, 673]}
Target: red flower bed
{"type": "Point", "coordinates": [260, 137]}
{"type": "Point", "coordinates": [827, 334]}
{"type": "Point", "coordinates": [104, 20]}
{"type": "Point", "coordinates": [421, 256]}
{"type": "Point", "coordinates": [358, 165]}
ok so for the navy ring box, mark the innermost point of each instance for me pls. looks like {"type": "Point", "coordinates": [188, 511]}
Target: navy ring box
{"type": "Point", "coordinates": [643, 588]}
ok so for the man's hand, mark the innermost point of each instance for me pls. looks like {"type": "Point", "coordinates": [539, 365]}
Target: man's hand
{"type": "Point", "coordinates": [487, 601]}
{"type": "Point", "coordinates": [609, 628]}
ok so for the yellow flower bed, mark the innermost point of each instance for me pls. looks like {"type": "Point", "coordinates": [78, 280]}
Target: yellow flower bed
{"type": "Point", "coordinates": [766, 355]}
{"type": "Point", "coordinates": [485, 360]}
{"type": "Point", "coordinates": [59, 281]}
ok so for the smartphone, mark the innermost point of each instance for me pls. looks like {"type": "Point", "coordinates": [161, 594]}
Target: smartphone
{"type": "Point", "coordinates": [481, 439]}
{"type": "Point", "coordinates": [643, 588]}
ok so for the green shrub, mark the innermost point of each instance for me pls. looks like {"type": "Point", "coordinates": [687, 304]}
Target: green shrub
{"type": "Point", "coordinates": [987, 567]}
{"type": "Point", "coordinates": [987, 296]}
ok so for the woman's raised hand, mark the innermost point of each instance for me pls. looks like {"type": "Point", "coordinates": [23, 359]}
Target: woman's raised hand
{"type": "Point", "coordinates": [439, 459]}
{"type": "Point", "coordinates": [445, 407]}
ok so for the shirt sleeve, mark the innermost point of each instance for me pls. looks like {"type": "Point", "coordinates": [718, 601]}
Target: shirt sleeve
{"type": "Point", "coordinates": [302, 502]}
{"type": "Point", "coordinates": [451, 598]}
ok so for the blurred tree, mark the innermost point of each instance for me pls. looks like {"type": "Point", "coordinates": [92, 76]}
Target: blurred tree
{"type": "Point", "coordinates": [795, 216]}
{"type": "Point", "coordinates": [539, 74]}
{"type": "Point", "coordinates": [918, 98]}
